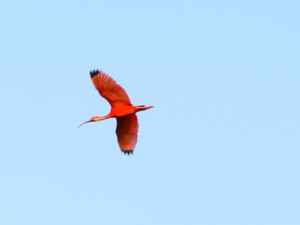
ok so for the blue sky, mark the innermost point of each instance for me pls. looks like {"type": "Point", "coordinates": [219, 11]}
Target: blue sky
{"type": "Point", "coordinates": [221, 146]}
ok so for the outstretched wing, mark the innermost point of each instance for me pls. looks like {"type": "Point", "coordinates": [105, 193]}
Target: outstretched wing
{"type": "Point", "coordinates": [127, 130]}
{"type": "Point", "coordinates": [109, 89]}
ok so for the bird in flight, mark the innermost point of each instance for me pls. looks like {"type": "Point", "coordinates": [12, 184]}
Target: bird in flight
{"type": "Point", "coordinates": [121, 109]}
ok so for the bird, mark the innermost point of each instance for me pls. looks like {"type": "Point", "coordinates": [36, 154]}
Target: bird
{"type": "Point", "coordinates": [121, 109]}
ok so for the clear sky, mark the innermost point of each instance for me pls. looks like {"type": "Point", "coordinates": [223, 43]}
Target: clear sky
{"type": "Point", "coordinates": [221, 146]}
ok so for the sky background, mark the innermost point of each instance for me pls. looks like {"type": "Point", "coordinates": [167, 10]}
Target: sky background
{"type": "Point", "coordinates": [221, 146]}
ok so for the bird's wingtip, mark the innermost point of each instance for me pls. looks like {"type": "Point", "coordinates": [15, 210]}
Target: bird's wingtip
{"type": "Point", "coordinates": [94, 73]}
{"type": "Point", "coordinates": [128, 152]}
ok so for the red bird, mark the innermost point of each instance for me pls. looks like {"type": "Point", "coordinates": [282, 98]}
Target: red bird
{"type": "Point", "coordinates": [121, 109]}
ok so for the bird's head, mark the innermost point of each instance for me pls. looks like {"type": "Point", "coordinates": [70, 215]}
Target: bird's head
{"type": "Point", "coordinates": [93, 119]}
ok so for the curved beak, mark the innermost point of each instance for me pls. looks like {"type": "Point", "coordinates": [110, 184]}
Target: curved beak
{"type": "Point", "coordinates": [85, 123]}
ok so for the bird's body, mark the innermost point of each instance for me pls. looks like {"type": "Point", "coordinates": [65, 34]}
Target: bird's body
{"type": "Point", "coordinates": [121, 109]}
{"type": "Point", "coordinates": [127, 110]}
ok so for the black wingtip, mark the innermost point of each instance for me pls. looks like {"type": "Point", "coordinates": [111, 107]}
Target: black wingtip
{"type": "Point", "coordinates": [128, 152]}
{"type": "Point", "coordinates": [94, 73]}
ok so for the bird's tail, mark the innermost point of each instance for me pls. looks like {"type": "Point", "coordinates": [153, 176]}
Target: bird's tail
{"type": "Point", "coordinates": [143, 107]}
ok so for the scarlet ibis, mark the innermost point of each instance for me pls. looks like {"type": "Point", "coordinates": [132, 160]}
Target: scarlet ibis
{"type": "Point", "coordinates": [121, 109]}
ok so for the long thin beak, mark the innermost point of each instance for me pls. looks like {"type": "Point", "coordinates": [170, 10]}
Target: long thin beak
{"type": "Point", "coordinates": [84, 123]}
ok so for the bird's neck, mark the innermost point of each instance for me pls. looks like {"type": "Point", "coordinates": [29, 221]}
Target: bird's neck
{"type": "Point", "coordinates": [99, 118]}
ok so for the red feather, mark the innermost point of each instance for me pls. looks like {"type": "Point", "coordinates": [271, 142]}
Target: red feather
{"type": "Point", "coordinates": [110, 90]}
{"type": "Point", "coordinates": [121, 109]}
